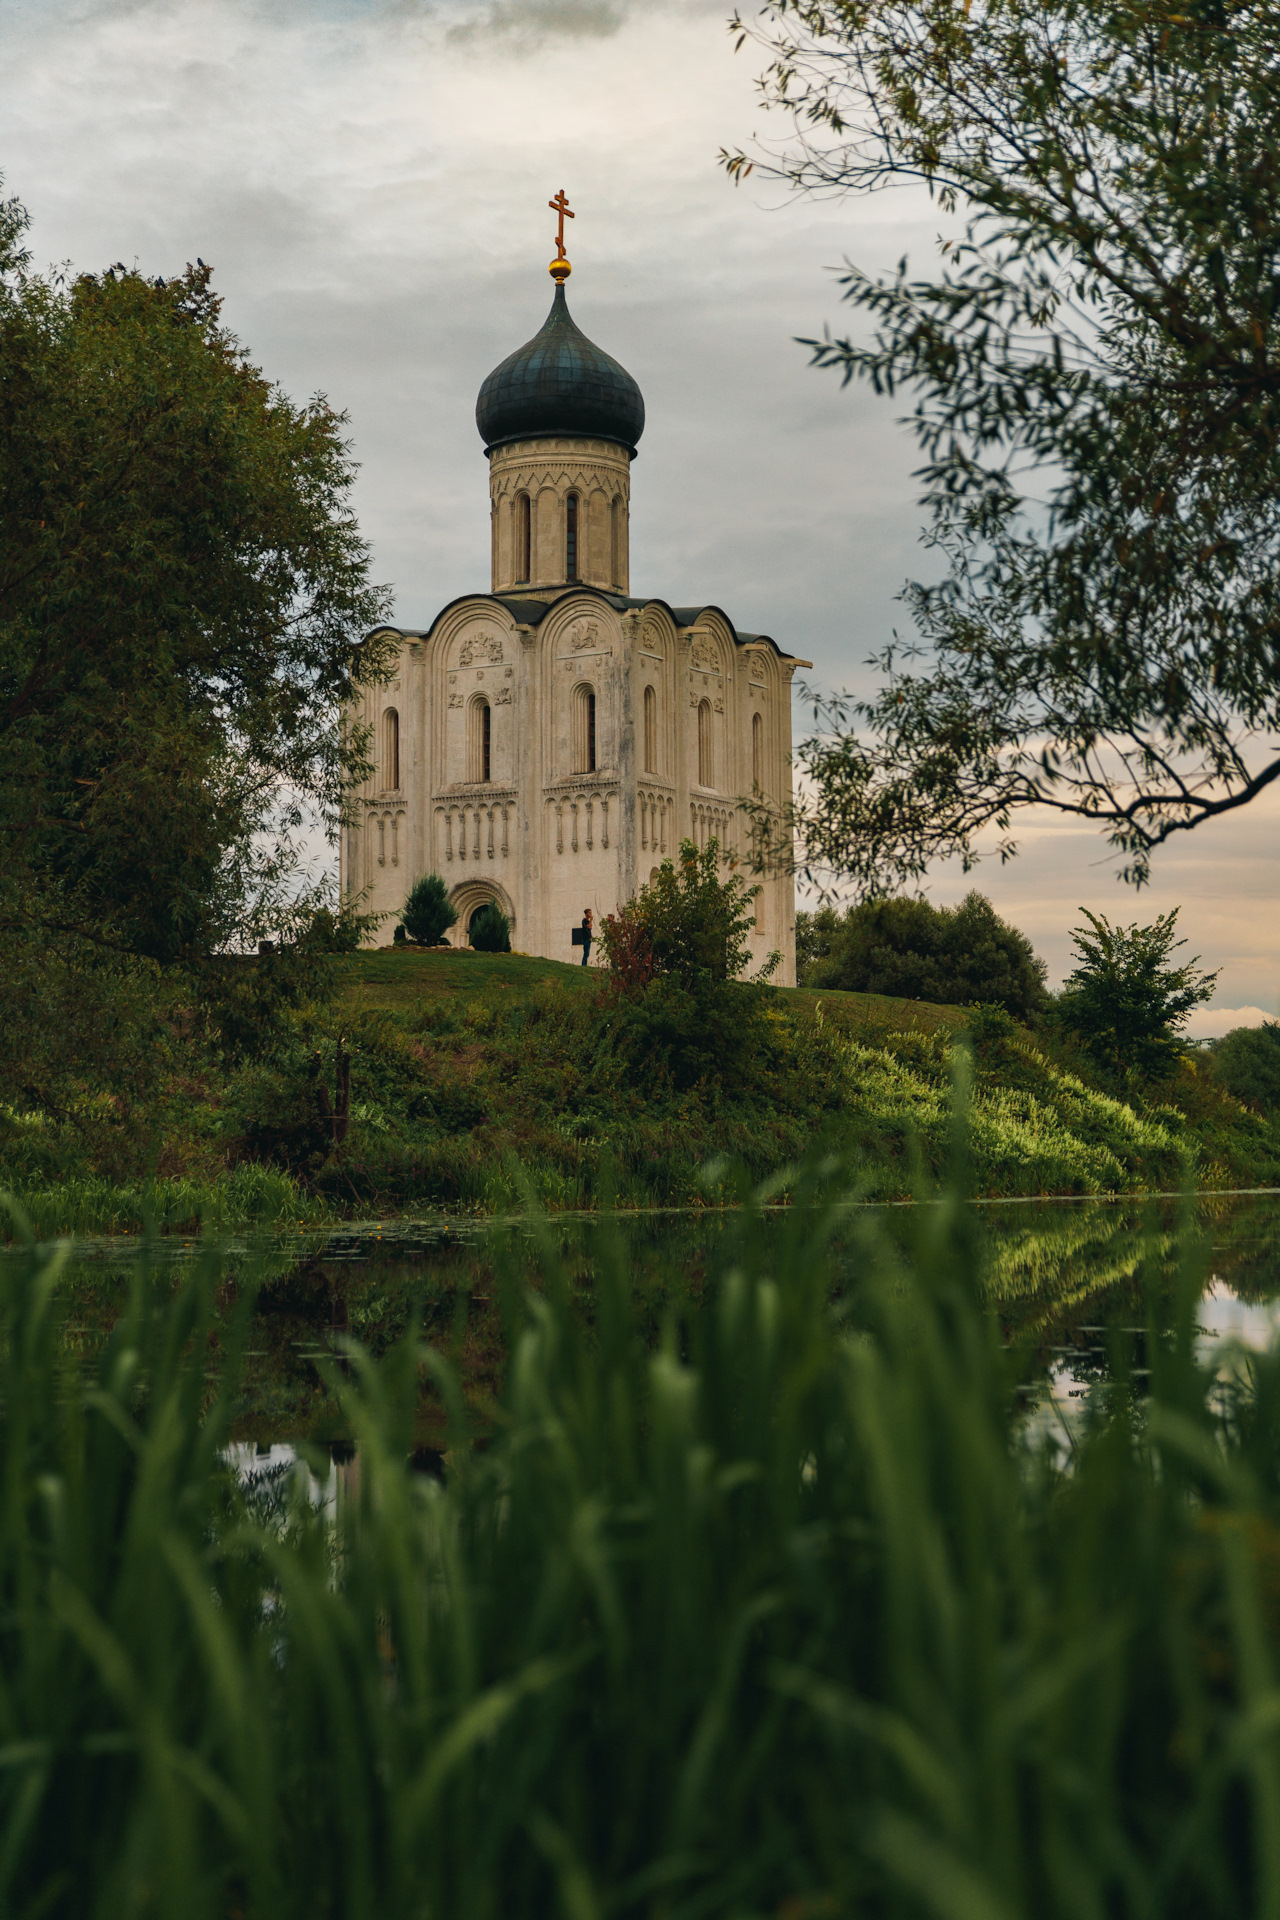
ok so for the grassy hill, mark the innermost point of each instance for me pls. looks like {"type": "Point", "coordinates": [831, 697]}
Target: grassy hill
{"type": "Point", "coordinates": [476, 1079]}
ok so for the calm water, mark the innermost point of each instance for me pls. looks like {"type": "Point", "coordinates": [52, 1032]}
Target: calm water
{"type": "Point", "coordinates": [1066, 1280]}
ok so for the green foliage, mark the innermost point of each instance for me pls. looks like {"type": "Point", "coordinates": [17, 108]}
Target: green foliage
{"type": "Point", "coordinates": [276, 1110]}
{"type": "Point", "coordinates": [955, 956]}
{"type": "Point", "coordinates": [246, 1196]}
{"type": "Point", "coordinates": [815, 933]}
{"type": "Point", "coordinates": [183, 592]}
{"type": "Point", "coordinates": [695, 925]}
{"type": "Point", "coordinates": [463, 1064]}
{"type": "Point", "coordinates": [427, 912]}
{"type": "Point", "coordinates": [1094, 365]}
{"type": "Point", "coordinates": [1124, 1000]}
{"type": "Point", "coordinates": [1247, 1063]}
{"type": "Point", "coordinates": [490, 930]}
{"type": "Point", "coordinates": [674, 955]}
{"type": "Point", "coordinates": [787, 1611]}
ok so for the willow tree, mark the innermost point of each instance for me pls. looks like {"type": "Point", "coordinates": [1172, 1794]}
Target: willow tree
{"type": "Point", "coordinates": [1094, 373]}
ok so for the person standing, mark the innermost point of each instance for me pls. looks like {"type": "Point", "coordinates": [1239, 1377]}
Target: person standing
{"type": "Point", "coordinates": [586, 935]}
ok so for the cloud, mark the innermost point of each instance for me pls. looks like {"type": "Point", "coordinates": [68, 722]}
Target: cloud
{"type": "Point", "coordinates": [530, 23]}
{"type": "Point", "coordinates": [539, 20]}
{"type": "Point", "coordinates": [1210, 1023]}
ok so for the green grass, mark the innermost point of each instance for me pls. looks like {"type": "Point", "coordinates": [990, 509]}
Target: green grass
{"type": "Point", "coordinates": [785, 1614]}
{"type": "Point", "coordinates": [402, 977]}
{"type": "Point", "coordinates": [244, 1196]}
{"type": "Point", "coordinates": [468, 1066]}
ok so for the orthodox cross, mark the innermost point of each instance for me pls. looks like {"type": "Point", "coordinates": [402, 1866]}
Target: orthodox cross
{"type": "Point", "coordinates": [561, 206]}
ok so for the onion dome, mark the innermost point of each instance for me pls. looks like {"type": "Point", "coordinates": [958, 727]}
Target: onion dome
{"type": "Point", "coordinates": [559, 383]}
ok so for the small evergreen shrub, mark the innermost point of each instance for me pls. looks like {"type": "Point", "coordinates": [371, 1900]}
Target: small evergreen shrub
{"type": "Point", "coordinates": [428, 915]}
{"type": "Point", "coordinates": [490, 930]}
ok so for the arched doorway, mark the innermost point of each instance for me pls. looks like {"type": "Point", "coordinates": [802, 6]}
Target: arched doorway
{"type": "Point", "coordinates": [468, 897]}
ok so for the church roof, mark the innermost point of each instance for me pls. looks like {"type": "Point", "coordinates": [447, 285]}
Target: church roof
{"type": "Point", "coordinates": [530, 611]}
{"type": "Point", "coordinates": [560, 383]}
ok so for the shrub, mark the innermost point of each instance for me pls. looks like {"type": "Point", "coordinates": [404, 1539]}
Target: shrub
{"type": "Point", "coordinates": [674, 954]}
{"type": "Point", "coordinates": [1246, 1062]}
{"type": "Point", "coordinates": [687, 923]}
{"type": "Point", "coordinates": [490, 930]}
{"type": "Point", "coordinates": [815, 935]}
{"type": "Point", "coordinates": [281, 1110]}
{"type": "Point", "coordinates": [1124, 1001]}
{"type": "Point", "coordinates": [952, 956]}
{"type": "Point", "coordinates": [428, 915]}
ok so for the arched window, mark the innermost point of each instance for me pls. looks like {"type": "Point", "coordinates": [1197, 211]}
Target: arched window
{"type": "Point", "coordinates": [616, 529]}
{"type": "Point", "coordinates": [584, 729]}
{"type": "Point", "coordinates": [757, 753]}
{"type": "Point", "coordinates": [479, 736]}
{"type": "Point", "coordinates": [650, 730]}
{"type": "Point", "coordinates": [571, 538]}
{"type": "Point", "coordinates": [524, 537]}
{"type": "Point", "coordinates": [706, 766]}
{"type": "Point", "coordinates": [390, 748]}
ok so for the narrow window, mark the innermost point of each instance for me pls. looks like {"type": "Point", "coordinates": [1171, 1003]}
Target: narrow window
{"type": "Point", "coordinates": [390, 748]}
{"type": "Point", "coordinates": [584, 730]}
{"type": "Point", "coordinates": [757, 752]}
{"type": "Point", "coordinates": [571, 538]}
{"type": "Point", "coordinates": [479, 736]}
{"type": "Point", "coordinates": [650, 730]}
{"type": "Point", "coordinates": [706, 771]}
{"type": "Point", "coordinates": [524, 537]}
{"type": "Point", "coordinates": [615, 530]}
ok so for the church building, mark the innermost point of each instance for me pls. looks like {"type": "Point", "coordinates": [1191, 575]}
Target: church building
{"type": "Point", "coordinates": [546, 745]}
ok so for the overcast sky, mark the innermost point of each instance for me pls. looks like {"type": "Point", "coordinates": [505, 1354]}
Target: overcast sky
{"type": "Point", "coordinates": [369, 180]}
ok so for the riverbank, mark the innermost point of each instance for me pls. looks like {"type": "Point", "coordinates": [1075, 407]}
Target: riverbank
{"type": "Point", "coordinates": [479, 1081]}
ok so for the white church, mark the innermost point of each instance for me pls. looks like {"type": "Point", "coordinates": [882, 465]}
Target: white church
{"type": "Point", "coordinates": [546, 745]}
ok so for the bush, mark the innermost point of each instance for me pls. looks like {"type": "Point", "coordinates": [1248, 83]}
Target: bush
{"type": "Point", "coordinates": [674, 954]}
{"type": "Point", "coordinates": [788, 1613]}
{"type": "Point", "coordinates": [951, 956]}
{"type": "Point", "coordinates": [693, 924]}
{"type": "Point", "coordinates": [490, 930]}
{"type": "Point", "coordinates": [428, 915]}
{"type": "Point", "coordinates": [1246, 1062]}
{"type": "Point", "coordinates": [1125, 1003]}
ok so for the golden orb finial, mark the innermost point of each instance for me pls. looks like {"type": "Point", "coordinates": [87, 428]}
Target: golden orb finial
{"type": "Point", "coordinates": [560, 268]}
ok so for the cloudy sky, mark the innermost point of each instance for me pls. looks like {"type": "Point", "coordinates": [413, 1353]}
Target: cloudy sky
{"type": "Point", "coordinates": [369, 179]}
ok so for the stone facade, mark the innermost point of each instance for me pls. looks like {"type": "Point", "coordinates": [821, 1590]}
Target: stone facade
{"type": "Point", "coordinates": [530, 484]}
{"type": "Point", "coordinates": [688, 717]}
{"type": "Point", "coordinates": [548, 744]}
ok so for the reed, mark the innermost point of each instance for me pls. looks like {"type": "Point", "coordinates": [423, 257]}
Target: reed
{"type": "Point", "coordinates": [791, 1613]}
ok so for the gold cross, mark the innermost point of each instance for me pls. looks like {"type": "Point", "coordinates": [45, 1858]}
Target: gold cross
{"type": "Point", "coordinates": [561, 206]}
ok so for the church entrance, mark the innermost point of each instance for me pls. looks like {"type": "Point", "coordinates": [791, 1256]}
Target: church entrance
{"type": "Point", "coordinates": [471, 897]}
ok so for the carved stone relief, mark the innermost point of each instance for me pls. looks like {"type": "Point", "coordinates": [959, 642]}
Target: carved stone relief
{"type": "Point", "coordinates": [583, 634]}
{"type": "Point", "coordinates": [480, 646]}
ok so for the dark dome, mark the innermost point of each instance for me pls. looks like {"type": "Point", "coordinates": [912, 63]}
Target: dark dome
{"type": "Point", "coordinates": [559, 382]}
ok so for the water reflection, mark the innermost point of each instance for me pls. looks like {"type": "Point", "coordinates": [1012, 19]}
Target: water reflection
{"type": "Point", "coordinates": [1067, 1280]}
